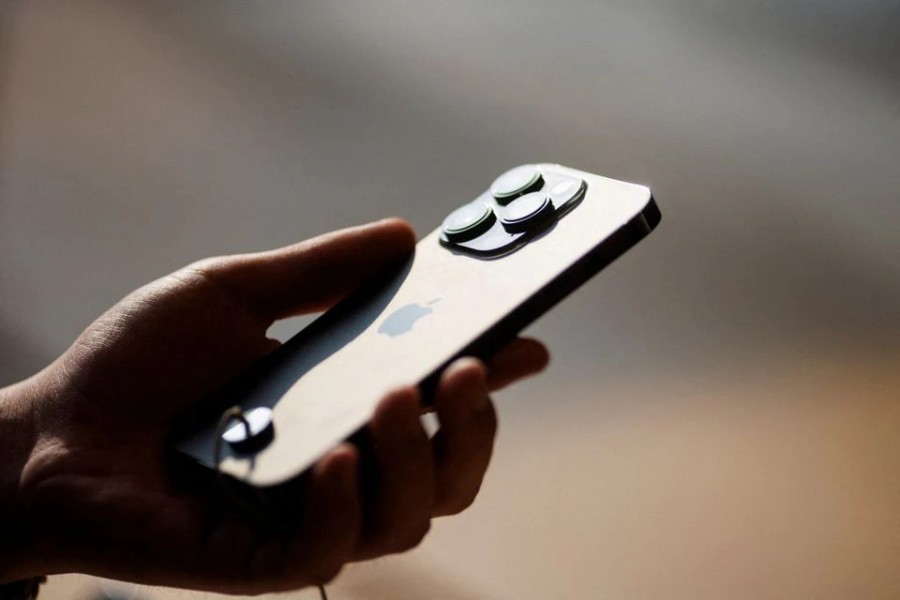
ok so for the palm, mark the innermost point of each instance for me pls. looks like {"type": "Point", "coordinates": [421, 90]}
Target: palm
{"type": "Point", "coordinates": [134, 372]}
{"type": "Point", "coordinates": [104, 490]}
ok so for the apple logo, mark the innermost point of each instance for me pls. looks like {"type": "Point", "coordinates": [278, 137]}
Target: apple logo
{"type": "Point", "coordinates": [402, 320]}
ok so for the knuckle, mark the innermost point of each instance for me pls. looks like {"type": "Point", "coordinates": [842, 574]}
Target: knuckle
{"type": "Point", "coordinates": [326, 572]}
{"type": "Point", "coordinates": [465, 502]}
{"type": "Point", "coordinates": [456, 505]}
{"type": "Point", "coordinates": [471, 445]}
{"type": "Point", "coordinates": [206, 270]}
{"type": "Point", "coordinates": [413, 537]}
{"type": "Point", "coordinates": [210, 264]}
{"type": "Point", "coordinates": [330, 557]}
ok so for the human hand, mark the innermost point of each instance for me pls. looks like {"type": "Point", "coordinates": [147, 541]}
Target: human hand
{"type": "Point", "coordinates": [94, 493]}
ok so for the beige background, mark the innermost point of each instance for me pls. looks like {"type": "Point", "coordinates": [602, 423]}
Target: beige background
{"type": "Point", "coordinates": [722, 416]}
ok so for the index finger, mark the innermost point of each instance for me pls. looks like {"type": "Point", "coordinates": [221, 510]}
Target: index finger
{"type": "Point", "coordinates": [521, 358]}
{"type": "Point", "coordinates": [312, 275]}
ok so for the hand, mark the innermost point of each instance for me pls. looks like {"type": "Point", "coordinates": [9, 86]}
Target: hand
{"type": "Point", "coordinates": [95, 493]}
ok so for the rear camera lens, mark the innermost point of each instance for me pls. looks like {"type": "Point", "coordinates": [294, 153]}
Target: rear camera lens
{"type": "Point", "coordinates": [516, 182]}
{"type": "Point", "coordinates": [565, 190]}
{"type": "Point", "coordinates": [468, 222]}
{"type": "Point", "coordinates": [527, 212]}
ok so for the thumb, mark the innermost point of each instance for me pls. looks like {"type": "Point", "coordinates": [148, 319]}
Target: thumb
{"type": "Point", "coordinates": [190, 332]}
{"type": "Point", "coordinates": [312, 275]}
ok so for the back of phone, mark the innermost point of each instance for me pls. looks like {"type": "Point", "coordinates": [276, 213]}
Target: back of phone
{"type": "Point", "coordinates": [494, 266]}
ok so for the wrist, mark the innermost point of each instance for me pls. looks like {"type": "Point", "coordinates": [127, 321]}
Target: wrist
{"type": "Point", "coordinates": [18, 435]}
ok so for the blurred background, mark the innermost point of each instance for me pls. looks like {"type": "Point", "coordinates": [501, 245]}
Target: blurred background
{"type": "Point", "coordinates": [722, 417]}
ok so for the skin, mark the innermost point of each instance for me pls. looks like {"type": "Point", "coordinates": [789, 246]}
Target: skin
{"type": "Point", "coordinates": [85, 484]}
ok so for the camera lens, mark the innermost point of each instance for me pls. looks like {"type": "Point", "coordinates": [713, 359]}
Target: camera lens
{"type": "Point", "coordinates": [516, 182]}
{"type": "Point", "coordinates": [565, 190]}
{"type": "Point", "coordinates": [527, 212]}
{"type": "Point", "coordinates": [468, 222]}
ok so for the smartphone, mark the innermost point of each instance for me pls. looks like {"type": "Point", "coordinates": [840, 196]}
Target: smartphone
{"type": "Point", "coordinates": [493, 266]}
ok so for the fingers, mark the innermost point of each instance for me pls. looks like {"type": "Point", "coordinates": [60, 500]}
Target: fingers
{"type": "Point", "coordinates": [456, 460]}
{"type": "Point", "coordinates": [521, 358]}
{"type": "Point", "coordinates": [333, 520]}
{"type": "Point", "coordinates": [403, 488]}
{"type": "Point", "coordinates": [413, 478]}
{"type": "Point", "coordinates": [464, 443]}
{"type": "Point", "coordinates": [331, 524]}
{"type": "Point", "coordinates": [312, 275]}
